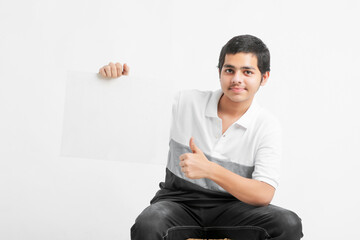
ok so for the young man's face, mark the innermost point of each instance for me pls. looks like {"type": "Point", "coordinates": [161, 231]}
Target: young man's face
{"type": "Point", "coordinates": [240, 77]}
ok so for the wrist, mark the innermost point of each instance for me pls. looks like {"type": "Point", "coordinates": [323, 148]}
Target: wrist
{"type": "Point", "coordinates": [212, 170]}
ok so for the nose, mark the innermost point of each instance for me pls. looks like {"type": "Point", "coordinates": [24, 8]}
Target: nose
{"type": "Point", "coordinates": [237, 78]}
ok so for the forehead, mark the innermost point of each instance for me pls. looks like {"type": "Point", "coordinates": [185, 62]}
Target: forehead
{"type": "Point", "coordinates": [241, 59]}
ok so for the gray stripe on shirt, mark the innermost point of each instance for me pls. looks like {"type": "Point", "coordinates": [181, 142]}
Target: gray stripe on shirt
{"type": "Point", "coordinates": [177, 149]}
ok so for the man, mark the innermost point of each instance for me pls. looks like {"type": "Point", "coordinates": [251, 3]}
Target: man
{"type": "Point", "coordinates": [224, 158]}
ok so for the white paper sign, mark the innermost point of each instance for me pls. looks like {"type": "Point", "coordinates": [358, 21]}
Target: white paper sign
{"type": "Point", "coordinates": [125, 119]}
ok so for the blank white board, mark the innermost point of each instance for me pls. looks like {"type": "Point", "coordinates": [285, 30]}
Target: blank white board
{"type": "Point", "coordinates": [124, 119]}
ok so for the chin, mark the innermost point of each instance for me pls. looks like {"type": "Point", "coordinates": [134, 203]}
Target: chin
{"type": "Point", "coordinates": [237, 99]}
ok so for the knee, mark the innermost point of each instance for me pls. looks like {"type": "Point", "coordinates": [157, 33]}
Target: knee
{"type": "Point", "coordinates": [152, 218]}
{"type": "Point", "coordinates": [290, 223]}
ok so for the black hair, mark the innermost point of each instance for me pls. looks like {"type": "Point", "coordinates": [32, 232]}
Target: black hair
{"type": "Point", "coordinates": [247, 44]}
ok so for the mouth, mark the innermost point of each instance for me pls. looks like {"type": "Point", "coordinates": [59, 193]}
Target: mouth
{"type": "Point", "coordinates": [237, 89]}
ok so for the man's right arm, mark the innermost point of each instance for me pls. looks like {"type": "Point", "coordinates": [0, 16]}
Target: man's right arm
{"type": "Point", "coordinates": [114, 70]}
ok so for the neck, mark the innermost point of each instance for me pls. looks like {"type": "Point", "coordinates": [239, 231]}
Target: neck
{"type": "Point", "coordinates": [233, 109]}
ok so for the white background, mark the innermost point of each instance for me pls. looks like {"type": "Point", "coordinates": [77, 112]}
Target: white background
{"type": "Point", "coordinates": [313, 89]}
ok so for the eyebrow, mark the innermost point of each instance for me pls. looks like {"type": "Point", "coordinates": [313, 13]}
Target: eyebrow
{"type": "Point", "coordinates": [243, 67]}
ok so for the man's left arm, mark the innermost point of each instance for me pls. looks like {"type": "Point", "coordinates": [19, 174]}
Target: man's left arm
{"type": "Point", "coordinates": [195, 165]}
{"type": "Point", "coordinates": [247, 190]}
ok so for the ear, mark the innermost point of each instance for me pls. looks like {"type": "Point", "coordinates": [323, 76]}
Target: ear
{"type": "Point", "coordinates": [265, 77]}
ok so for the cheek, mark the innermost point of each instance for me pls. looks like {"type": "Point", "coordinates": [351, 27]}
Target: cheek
{"type": "Point", "coordinates": [224, 83]}
{"type": "Point", "coordinates": [225, 80]}
{"type": "Point", "coordinates": [253, 81]}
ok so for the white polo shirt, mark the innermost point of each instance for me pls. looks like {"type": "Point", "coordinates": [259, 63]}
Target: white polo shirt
{"type": "Point", "coordinates": [250, 147]}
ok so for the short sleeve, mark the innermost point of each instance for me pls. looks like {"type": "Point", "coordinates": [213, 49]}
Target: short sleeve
{"type": "Point", "coordinates": [269, 153]}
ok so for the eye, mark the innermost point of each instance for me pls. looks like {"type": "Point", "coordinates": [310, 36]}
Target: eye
{"type": "Point", "coordinates": [228, 70]}
{"type": "Point", "coordinates": [247, 72]}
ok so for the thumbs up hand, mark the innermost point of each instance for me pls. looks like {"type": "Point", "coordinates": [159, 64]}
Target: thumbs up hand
{"type": "Point", "coordinates": [195, 165]}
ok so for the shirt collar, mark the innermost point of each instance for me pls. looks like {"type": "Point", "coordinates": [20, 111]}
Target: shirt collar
{"type": "Point", "coordinates": [212, 105]}
{"type": "Point", "coordinates": [244, 120]}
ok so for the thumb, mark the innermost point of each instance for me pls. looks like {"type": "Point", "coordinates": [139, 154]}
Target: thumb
{"type": "Point", "coordinates": [126, 69]}
{"type": "Point", "coordinates": [193, 147]}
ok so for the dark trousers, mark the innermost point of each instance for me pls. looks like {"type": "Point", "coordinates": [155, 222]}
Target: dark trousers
{"type": "Point", "coordinates": [228, 219]}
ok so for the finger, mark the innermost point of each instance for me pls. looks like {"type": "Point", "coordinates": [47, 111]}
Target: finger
{"type": "Point", "coordinates": [102, 72]}
{"type": "Point", "coordinates": [113, 70]}
{"type": "Point", "coordinates": [126, 70]}
{"type": "Point", "coordinates": [182, 157]}
{"type": "Point", "coordinates": [119, 69]}
{"type": "Point", "coordinates": [185, 156]}
{"type": "Point", "coordinates": [107, 70]}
